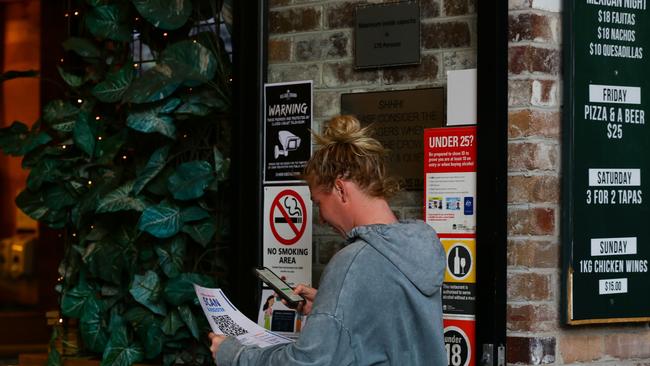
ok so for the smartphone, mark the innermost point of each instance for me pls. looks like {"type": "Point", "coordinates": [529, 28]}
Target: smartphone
{"type": "Point", "coordinates": [281, 288]}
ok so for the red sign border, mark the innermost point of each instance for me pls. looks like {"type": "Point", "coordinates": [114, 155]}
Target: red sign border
{"type": "Point", "coordinates": [276, 202]}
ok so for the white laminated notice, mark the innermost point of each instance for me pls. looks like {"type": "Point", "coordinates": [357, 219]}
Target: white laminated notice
{"type": "Point", "coordinates": [225, 319]}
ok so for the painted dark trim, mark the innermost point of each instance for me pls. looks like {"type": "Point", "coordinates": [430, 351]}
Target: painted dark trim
{"type": "Point", "coordinates": [249, 73]}
{"type": "Point", "coordinates": [492, 150]}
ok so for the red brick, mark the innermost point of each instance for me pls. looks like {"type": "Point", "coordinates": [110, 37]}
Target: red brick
{"type": "Point", "coordinates": [531, 27]}
{"type": "Point", "coordinates": [533, 254]}
{"type": "Point", "coordinates": [294, 20]}
{"type": "Point", "coordinates": [533, 189]}
{"type": "Point", "coordinates": [279, 50]}
{"type": "Point", "coordinates": [578, 348]}
{"type": "Point", "coordinates": [276, 3]}
{"type": "Point", "coordinates": [529, 287]}
{"type": "Point", "coordinates": [427, 70]}
{"type": "Point", "coordinates": [531, 318]}
{"type": "Point", "coordinates": [429, 8]}
{"type": "Point", "coordinates": [342, 15]}
{"type": "Point", "coordinates": [628, 345]}
{"type": "Point", "coordinates": [528, 122]}
{"type": "Point", "coordinates": [459, 7]}
{"type": "Point", "coordinates": [532, 156]}
{"type": "Point", "coordinates": [343, 74]}
{"type": "Point", "coordinates": [531, 221]}
{"type": "Point", "coordinates": [327, 103]}
{"type": "Point", "coordinates": [529, 59]}
{"type": "Point", "coordinates": [544, 93]}
{"type": "Point", "coordinates": [524, 93]}
{"type": "Point", "coordinates": [328, 46]}
{"type": "Point", "coordinates": [446, 35]}
{"type": "Point", "coordinates": [281, 73]}
{"type": "Point", "coordinates": [531, 350]}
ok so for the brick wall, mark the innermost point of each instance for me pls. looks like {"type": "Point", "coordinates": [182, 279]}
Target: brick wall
{"type": "Point", "coordinates": [535, 333]}
{"type": "Point", "coordinates": [313, 40]}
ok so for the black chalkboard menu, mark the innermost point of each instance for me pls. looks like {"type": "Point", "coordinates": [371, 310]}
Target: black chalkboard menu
{"type": "Point", "coordinates": [606, 162]}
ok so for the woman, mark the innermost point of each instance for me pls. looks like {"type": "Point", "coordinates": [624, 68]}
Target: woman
{"type": "Point", "coordinates": [268, 311]}
{"type": "Point", "coordinates": [379, 299]}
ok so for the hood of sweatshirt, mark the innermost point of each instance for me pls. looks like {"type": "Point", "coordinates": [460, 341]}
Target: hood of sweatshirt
{"type": "Point", "coordinates": [407, 245]}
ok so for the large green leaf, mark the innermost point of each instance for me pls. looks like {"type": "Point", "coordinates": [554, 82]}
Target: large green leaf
{"type": "Point", "coordinates": [189, 319]}
{"type": "Point", "coordinates": [82, 46]}
{"type": "Point", "coordinates": [148, 327]}
{"type": "Point", "coordinates": [193, 213]}
{"type": "Point", "coordinates": [121, 200]}
{"type": "Point", "coordinates": [172, 322]}
{"type": "Point", "coordinates": [120, 351]}
{"type": "Point", "coordinates": [71, 79]}
{"type": "Point", "coordinates": [109, 21]}
{"type": "Point", "coordinates": [180, 289]}
{"type": "Point", "coordinates": [108, 147]}
{"type": "Point", "coordinates": [74, 299]}
{"type": "Point", "coordinates": [171, 255]}
{"type": "Point", "coordinates": [18, 140]}
{"type": "Point", "coordinates": [58, 197]}
{"type": "Point", "coordinates": [165, 14]}
{"type": "Point", "coordinates": [83, 134]}
{"type": "Point", "coordinates": [156, 163]}
{"type": "Point", "coordinates": [161, 221]}
{"type": "Point", "coordinates": [155, 84]}
{"type": "Point", "coordinates": [58, 111]}
{"type": "Point", "coordinates": [46, 170]}
{"type": "Point", "coordinates": [221, 165]}
{"type": "Point", "coordinates": [202, 232]}
{"type": "Point", "coordinates": [92, 326]}
{"type": "Point", "coordinates": [190, 180]}
{"type": "Point", "coordinates": [107, 259]}
{"type": "Point", "coordinates": [155, 119]}
{"type": "Point", "coordinates": [115, 85]}
{"type": "Point", "coordinates": [191, 62]}
{"type": "Point", "coordinates": [147, 290]}
{"type": "Point", "coordinates": [33, 204]}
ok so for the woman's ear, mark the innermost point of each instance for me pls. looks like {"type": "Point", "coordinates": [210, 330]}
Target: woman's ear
{"type": "Point", "coordinates": [339, 189]}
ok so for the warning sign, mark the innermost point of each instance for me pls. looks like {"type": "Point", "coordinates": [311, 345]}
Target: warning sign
{"type": "Point", "coordinates": [287, 121]}
{"type": "Point", "coordinates": [460, 259]}
{"type": "Point", "coordinates": [459, 340]}
{"type": "Point", "coordinates": [287, 232]}
{"type": "Point", "coordinates": [287, 218]}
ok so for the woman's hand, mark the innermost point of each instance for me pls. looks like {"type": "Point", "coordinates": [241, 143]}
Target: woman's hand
{"type": "Point", "coordinates": [309, 294]}
{"type": "Point", "coordinates": [216, 341]}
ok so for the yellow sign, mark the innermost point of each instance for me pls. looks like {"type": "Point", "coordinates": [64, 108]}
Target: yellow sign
{"type": "Point", "coordinates": [461, 259]}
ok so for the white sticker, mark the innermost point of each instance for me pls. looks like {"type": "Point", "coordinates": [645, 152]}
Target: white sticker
{"type": "Point", "coordinates": [614, 94]}
{"type": "Point", "coordinates": [614, 177]}
{"type": "Point", "coordinates": [612, 286]}
{"type": "Point", "coordinates": [613, 246]}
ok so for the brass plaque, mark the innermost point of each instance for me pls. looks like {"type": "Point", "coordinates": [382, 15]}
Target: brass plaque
{"type": "Point", "coordinates": [398, 119]}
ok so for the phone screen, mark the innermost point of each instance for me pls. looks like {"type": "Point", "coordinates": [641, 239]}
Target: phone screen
{"type": "Point", "coordinates": [278, 285]}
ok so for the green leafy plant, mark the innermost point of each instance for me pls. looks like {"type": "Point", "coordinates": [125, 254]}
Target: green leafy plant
{"type": "Point", "coordinates": [131, 163]}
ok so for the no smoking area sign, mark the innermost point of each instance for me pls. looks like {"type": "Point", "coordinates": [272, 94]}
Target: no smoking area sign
{"type": "Point", "coordinates": [287, 218]}
{"type": "Point", "coordinates": [287, 232]}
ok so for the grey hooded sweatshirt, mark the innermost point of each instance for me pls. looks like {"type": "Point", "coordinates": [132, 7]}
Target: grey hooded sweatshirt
{"type": "Point", "coordinates": [379, 303]}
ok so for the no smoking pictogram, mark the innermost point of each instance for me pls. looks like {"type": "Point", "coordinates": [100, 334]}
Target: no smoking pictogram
{"type": "Point", "coordinates": [288, 217]}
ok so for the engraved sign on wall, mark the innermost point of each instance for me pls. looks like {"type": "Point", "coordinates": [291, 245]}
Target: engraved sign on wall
{"type": "Point", "coordinates": [387, 34]}
{"type": "Point", "coordinates": [398, 119]}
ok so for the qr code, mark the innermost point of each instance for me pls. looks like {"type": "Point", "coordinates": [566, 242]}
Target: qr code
{"type": "Point", "coordinates": [228, 327]}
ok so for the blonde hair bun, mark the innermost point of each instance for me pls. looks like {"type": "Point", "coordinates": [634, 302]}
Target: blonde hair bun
{"type": "Point", "coordinates": [347, 151]}
{"type": "Point", "coordinates": [346, 129]}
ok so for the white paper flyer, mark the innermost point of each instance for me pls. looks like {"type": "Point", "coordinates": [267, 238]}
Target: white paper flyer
{"type": "Point", "coordinates": [225, 319]}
